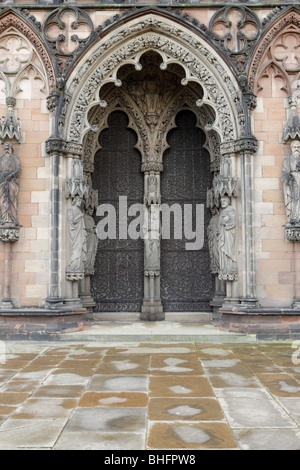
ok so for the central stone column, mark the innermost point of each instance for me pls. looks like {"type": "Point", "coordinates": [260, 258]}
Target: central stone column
{"type": "Point", "coordinates": [152, 309]}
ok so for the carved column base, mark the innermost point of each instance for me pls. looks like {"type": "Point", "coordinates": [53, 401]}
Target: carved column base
{"type": "Point", "coordinates": [152, 311]}
{"type": "Point", "coordinates": [54, 302]}
{"type": "Point", "coordinates": [292, 233]}
{"type": "Point", "coordinates": [6, 303]}
{"type": "Point", "coordinates": [296, 303]}
{"type": "Point", "coordinates": [218, 298]}
{"type": "Point", "coordinates": [85, 294]}
{"type": "Point", "coordinates": [73, 302]}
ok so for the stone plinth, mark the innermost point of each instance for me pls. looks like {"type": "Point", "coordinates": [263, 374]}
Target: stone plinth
{"type": "Point", "coordinates": [272, 323]}
{"type": "Point", "coordinates": [27, 323]}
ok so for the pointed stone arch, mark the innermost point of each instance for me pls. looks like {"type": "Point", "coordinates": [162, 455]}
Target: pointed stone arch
{"type": "Point", "coordinates": [175, 43]}
{"type": "Point", "coordinates": [12, 19]}
{"type": "Point", "coordinates": [263, 56]}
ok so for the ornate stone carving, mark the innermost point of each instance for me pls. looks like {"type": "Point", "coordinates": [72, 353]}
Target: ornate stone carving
{"type": "Point", "coordinates": [10, 169]}
{"type": "Point", "coordinates": [9, 234]}
{"type": "Point", "coordinates": [151, 89]}
{"type": "Point", "coordinates": [177, 47]}
{"type": "Point", "coordinates": [59, 31]}
{"type": "Point", "coordinates": [152, 190]}
{"type": "Point", "coordinates": [235, 29]}
{"type": "Point", "coordinates": [76, 189]}
{"type": "Point", "coordinates": [221, 230]}
{"type": "Point", "coordinates": [226, 241]}
{"type": "Point", "coordinates": [18, 62]}
{"type": "Point", "coordinates": [76, 241]}
{"type": "Point", "coordinates": [90, 206]}
{"type": "Point", "coordinates": [276, 56]}
{"type": "Point", "coordinates": [10, 127]}
{"type": "Point", "coordinates": [292, 233]}
{"type": "Point", "coordinates": [213, 233]}
{"type": "Point", "coordinates": [291, 184]}
{"type": "Point", "coordinates": [76, 186]}
{"type": "Point", "coordinates": [292, 129]}
{"type": "Point", "coordinates": [12, 20]}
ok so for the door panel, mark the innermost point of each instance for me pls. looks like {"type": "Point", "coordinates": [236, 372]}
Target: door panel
{"type": "Point", "coordinates": [186, 281]}
{"type": "Point", "coordinates": [118, 281]}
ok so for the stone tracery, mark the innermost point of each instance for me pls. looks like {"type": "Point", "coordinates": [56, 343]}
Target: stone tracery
{"type": "Point", "coordinates": [174, 47]}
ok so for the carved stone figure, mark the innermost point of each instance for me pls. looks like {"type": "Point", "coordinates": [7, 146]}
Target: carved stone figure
{"type": "Point", "coordinates": [227, 226]}
{"type": "Point", "coordinates": [91, 242]}
{"type": "Point", "coordinates": [152, 240]}
{"type": "Point", "coordinates": [152, 193]}
{"type": "Point", "coordinates": [77, 241]}
{"type": "Point", "coordinates": [213, 240]}
{"type": "Point", "coordinates": [151, 94]}
{"type": "Point", "coordinates": [10, 169]}
{"type": "Point", "coordinates": [291, 183]}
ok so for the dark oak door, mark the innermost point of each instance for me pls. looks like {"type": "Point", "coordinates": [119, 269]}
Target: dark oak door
{"type": "Point", "coordinates": [118, 281]}
{"type": "Point", "coordinates": [186, 281]}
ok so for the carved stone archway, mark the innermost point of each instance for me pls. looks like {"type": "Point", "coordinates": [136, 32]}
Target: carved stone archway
{"type": "Point", "coordinates": [211, 90]}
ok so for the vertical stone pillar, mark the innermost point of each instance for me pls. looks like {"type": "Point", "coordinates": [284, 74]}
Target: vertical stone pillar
{"type": "Point", "coordinates": [247, 147]}
{"type": "Point", "coordinates": [54, 148]}
{"type": "Point", "coordinates": [296, 269]}
{"type": "Point", "coordinates": [227, 188]}
{"type": "Point", "coordinates": [6, 301]}
{"type": "Point", "coordinates": [152, 307]}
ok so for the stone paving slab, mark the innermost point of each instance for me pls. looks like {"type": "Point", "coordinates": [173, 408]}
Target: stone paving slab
{"type": "Point", "coordinates": [149, 395]}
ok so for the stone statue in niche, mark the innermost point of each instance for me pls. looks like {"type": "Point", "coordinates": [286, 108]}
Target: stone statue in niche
{"type": "Point", "coordinates": [226, 238]}
{"type": "Point", "coordinates": [77, 241]}
{"type": "Point", "coordinates": [291, 184]}
{"type": "Point", "coordinates": [10, 169]}
{"type": "Point", "coordinates": [151, 92]}
{"type": "Point", "coordinates": [213, 240]}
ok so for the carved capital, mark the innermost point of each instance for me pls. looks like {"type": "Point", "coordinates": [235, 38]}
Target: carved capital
{"type": "Point", "coordinates": [9, 234]}
{"type": "Point", "coordinates": [247, 144]}
{"type": "Point", "coordinates": [228, 276]}
{"type": "Point", "coordinates": [250, 100]}
{"type": "Point", "coordinates": [292, 233]}
{"type": "Point", "coordinates": [228, 148]}
{"type": "Point", "coordinates": [74, 149]}
{"type": "Point", "coordinates": [152, 272]}
{"type": "Point", "coordinates": [52, 102]}
{"type": "Point", "coordinates": [152, 166]}
{"type": "Point", "coordinates": [75, 276]}
{"type": "Point", "coordinates": [68, 149]}
{"type": "Point", "coordinates": [56, 145]}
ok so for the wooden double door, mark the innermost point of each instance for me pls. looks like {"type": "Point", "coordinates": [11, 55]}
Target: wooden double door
{"type": "Point", "coordinates": [185, 278]}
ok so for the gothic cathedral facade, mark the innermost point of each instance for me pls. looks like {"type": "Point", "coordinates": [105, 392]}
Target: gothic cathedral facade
{"type": "Point", "coordinates": [150, 164]}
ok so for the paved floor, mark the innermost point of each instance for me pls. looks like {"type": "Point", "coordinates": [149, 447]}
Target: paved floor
{"type": "Point", "coordinates": [222, 392]}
